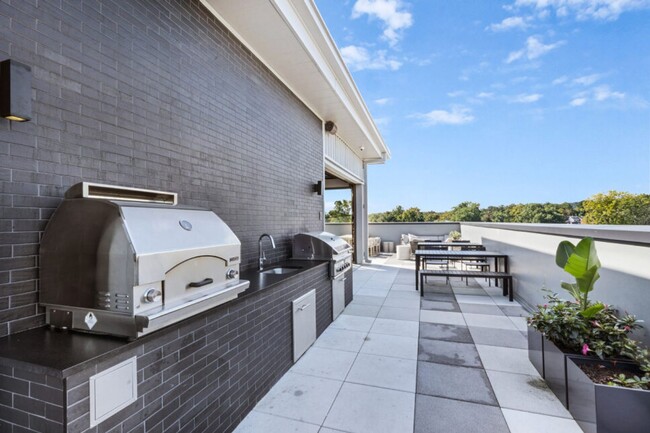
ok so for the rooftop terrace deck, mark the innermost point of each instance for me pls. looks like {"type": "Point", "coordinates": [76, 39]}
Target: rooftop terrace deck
{"type": "Point", "coordinates": [454, 362]}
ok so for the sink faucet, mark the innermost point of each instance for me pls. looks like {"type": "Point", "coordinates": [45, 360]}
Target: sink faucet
{"type": "Point", "coordinates": [262, 256]}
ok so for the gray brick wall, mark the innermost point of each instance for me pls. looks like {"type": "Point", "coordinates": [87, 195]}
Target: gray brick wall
{"type": "Point", "coordinates": [203, 375]}
{"type": "Point", "coordinates": [152, 94]}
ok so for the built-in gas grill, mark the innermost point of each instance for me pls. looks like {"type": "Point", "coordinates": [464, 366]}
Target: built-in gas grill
{"type": "Point", "coordinates": [127, 262]}
{"type": "Point", "coordinates": [324, 246]}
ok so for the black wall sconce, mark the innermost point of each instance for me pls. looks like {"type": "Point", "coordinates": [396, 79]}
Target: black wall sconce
{"type": "Point", "coordinates": [330, 127]}
{"type": "Point", "coordinates": [318, 187]}
{"type": "Point", "coordinates": [15, 91]}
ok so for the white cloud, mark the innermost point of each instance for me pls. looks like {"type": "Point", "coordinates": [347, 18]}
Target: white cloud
{"type": "Point", "coordinates": [587, 80]}
{"type": "Point", "coordinates": [603, 93]}
{"type": "Point", "coordinates": [560, 80]}
{"type": "Point", "coordinates": [485, 95]}
{"type": "Point", "coordinates": [458, 115]}
{"type": "Point", "coordinates": [456, 93]}
{"type": "Point", "coordinates": [509, 23]}
{"type": "Point", "coordinates": [596, 94]}
{"type": "Point", "coordinates": [390, 12]}
{"type": "Point", "coordinates": [382, 101]}
{"type": "Point", "coordinates": [534, 48]}
{"type": "Point", "coordinates": [382, 121]}
{"type": "Point", "coordinates": [605, 10]}
{"type": "Point", "coordinates": [526, 98]}
{"type": "Point", "coordinates": [359, 58]}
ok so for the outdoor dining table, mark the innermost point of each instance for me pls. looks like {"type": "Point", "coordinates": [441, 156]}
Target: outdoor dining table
{"type": "Point", "coordinates": [424, 245]}
{"type": "Point", "coordinates": [458, 255]}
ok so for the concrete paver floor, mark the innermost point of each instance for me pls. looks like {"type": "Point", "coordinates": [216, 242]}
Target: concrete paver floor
{"type": "Point", "coordinates": [453, 361]}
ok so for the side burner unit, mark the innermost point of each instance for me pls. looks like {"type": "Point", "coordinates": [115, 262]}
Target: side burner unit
{"type": "Point", "coordinates": [126, 262]}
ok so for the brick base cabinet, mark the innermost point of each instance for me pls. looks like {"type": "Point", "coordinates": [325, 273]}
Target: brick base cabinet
{"type": "Point", "coordinates": [606, 409]}
{"type": "Point", "coordinates": [201, 375]}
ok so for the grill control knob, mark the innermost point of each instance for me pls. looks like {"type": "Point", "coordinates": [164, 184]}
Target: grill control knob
{"type": "Point", "coordinates": [231, 273]}
{"type": "Point", "coordinates": [152, 295]}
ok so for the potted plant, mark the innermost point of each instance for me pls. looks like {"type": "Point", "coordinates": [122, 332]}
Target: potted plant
{"type": "Point", "coordinates": [588, 355]}
{"type": "Point", "coordinates": [565, 325]}
{"type": "Point", "coordinates": [454, 236]}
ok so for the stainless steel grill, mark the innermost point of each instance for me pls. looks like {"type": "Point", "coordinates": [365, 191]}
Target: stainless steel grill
{"type": "Point", "coordinates": [324, 246]}
{"type": "Point", "coordinates": [126, 262]}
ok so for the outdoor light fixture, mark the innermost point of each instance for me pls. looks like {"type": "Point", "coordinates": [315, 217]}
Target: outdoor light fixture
{"type": "Point", "coordinates": [318, 187]}
{"type": "Point", "coordinates": [15, 91]}
{"type": "Point", "coordinates": [330, 127]}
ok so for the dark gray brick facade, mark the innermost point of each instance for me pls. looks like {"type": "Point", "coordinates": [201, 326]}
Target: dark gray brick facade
{"type": "Point", "coordinates": [152, 94]}
{"type": "Point", "coordinates": [202, 375]}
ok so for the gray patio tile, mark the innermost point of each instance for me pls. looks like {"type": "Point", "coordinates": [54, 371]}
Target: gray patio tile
{"type": "Point", "coordinates": [404, 286]}
{"type": "Point", "coordinates": [488, 321]}
{"type": "Point", "coordinates": [411, 314]}
{"type": "Point", "coordinates": [437, 331]}
{"type": "Point", "coordinates": [520, 323]}
{"type": "Point", "coordinates": [353, 323]}
{"type": "Point", "coordinates": [384, 372]}
{"type": "Point", "coordinates": [428, 288]}
{"type": "Point", "coordinates": [411, 302]}
{"type": "Point", "coordinates": [368, 300]}
{"type": "Point", "coordinates": [458, 383]}
{"type": "Point", "coordinates": [514, 310]}
{"type": "Point", "coordinates": [471, 291]}
{"type": "Point", "coordinates": [341, 339]}
{"type": "Point", "coordinates": [402, 328]}
{"type": "Point", "coordinates": [364, 291]}
{"type": "Point", "coordinates": [403, 294]}
{"type": "Point", "coordinates": [362, 310]}
{"type": "Point", "coordinates": [367, 409]}
{"type": "Point", "coordinates": [526, 422]}
{"type": "Point", "coordinates": [327, 363]}
{"type": "Point", "coordinates": [256, 422]}
{"type": "Point", "coordinates": [472, 299]}
{"type": "Point", "coordinates": [481, 309]}
{"type": "Point", "coordinates": [439, 305]}
{"type": "Point", "coordinates": [446, 317]}
{"type": "Point", "coordinates": [441, 415]}
{"type": "Point", "coordinates": [526, 393]}
{"type": "Point", "coordinates": [506, 359]}
{"type": "Point", "coordinates": [300, 397]}
{"type": "Point", "coordinates": [440, 297]}
{"type": "Point", "coordinates": [498, 337]}
{"type": "Point", "coordinates": [391, 345]}
{"type": "Point", "coordinates": [448, 352]}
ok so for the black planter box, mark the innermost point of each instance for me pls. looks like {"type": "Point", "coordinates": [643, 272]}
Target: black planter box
{"type": "Point", "coordinates": [555, 370]}
{"type": "Point", "coordinates": [606, 409]}
{"type": "Point", "coordinates": [536, 349]}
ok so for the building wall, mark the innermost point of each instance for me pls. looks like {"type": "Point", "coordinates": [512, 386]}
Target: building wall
{"type": "Point", "coordinates": [149, 94]}
{"type": "Point", "coordinates": [624, 277]}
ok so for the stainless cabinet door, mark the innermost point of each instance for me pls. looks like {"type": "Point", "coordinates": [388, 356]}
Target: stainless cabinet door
{"type": "Point", "coordinates": [338, 296]}
{"type": "Point", "coordinates": [304, 323]}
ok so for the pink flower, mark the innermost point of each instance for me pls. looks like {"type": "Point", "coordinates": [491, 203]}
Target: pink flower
{"type": "Point", "coordinates": [627, 328]}
{"type": "Point", "coordinates": [585, 349]}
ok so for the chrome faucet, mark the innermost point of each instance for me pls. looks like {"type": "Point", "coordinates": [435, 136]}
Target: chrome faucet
{"type": "Point", "coordinates": [262, 256]}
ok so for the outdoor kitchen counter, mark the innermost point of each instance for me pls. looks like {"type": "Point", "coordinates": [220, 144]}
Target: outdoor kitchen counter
{"type": "Point", "coordinates": [61, 353]}
{"type": "Point", "coordinates": [261, 281]}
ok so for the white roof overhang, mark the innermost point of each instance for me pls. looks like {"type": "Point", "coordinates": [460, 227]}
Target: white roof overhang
{"type": "Point", "coordinates": [291, 39]}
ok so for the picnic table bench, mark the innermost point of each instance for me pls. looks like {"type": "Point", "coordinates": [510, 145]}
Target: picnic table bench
{"type": "Point", "coordinates": [505, 277]}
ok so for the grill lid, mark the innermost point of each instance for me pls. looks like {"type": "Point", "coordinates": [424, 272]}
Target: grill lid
{"type": "Point", "coordinates": [319, 245]}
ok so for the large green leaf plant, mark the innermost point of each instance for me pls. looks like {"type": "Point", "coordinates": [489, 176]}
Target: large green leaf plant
{"type": "Point", "coordinates": [580, 261]}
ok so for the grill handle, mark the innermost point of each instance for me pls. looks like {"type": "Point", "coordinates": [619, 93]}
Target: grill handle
{"type": "Point", "coordinates": [205, 282]}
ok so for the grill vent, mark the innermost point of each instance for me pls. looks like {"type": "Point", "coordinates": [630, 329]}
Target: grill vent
{"type": "Point", "coordinates": [111, 192]}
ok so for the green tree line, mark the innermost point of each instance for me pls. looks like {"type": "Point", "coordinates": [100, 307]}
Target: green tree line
{"type": "Point", "coordinates": [613, 207]}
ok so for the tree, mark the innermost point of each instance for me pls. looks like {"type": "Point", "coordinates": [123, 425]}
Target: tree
{"type": "Point", "coordinates": [617, 207]}
{"type": "Point", "coordinates": [342, 212]}
{"type": "Point", "coordinates": [465, 211]}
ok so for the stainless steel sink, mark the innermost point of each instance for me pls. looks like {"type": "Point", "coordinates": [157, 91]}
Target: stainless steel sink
{"type": "Point", "coordinates": [282, 270]}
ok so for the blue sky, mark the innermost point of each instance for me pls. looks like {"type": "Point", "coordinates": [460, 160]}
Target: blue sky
{"type": "Point", "coordinates": [500, 102]}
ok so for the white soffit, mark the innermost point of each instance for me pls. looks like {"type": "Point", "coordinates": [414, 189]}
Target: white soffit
{"type": "Point", "coordinates": [290, 37]}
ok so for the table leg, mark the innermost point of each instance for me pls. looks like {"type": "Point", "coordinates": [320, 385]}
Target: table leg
{"type": "Point", "coordinates": [496, 269]}
{"type": "Point", "coordinates": [417, 271]}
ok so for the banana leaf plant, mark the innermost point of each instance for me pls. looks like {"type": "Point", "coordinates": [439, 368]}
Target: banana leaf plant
{"type": "Point", "coordinates": [581, 261]}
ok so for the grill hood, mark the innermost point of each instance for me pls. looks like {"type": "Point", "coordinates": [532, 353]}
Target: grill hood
{"type": "Point", "coordinates": [135, 266]}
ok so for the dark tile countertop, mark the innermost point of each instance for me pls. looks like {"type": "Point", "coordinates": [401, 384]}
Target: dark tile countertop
{"type": "Point", "coordinates": [63, 353]}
